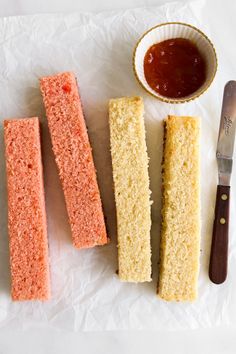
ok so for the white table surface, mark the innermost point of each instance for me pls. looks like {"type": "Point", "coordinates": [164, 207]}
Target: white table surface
{"type": "Point", "coordinates": [38, 341]}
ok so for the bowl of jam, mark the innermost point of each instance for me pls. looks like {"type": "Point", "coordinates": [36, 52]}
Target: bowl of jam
{"type": "Point", "coordinates": [175, 62]}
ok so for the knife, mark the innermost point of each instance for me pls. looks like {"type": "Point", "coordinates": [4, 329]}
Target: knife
{"type": "Point", "coordinates": [225, 148]}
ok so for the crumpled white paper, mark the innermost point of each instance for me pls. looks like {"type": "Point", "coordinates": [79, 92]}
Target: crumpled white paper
{"type": "Point", "coordinates": [86, 292]}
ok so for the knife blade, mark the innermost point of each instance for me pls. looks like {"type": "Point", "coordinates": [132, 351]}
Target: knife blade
{"type": "Point", "coordinates": [224, 154]}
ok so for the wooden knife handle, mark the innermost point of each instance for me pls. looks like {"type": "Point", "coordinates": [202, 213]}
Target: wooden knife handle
{"type": "Point", "coordinates": [219, 246]}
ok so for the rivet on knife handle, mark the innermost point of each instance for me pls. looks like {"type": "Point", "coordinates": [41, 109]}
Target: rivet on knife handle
{"type": "Point", "coordinates": [219, 246]}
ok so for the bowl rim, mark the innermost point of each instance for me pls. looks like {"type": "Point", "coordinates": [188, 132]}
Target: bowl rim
{"type": "Point", "coordinates": [175, 100]}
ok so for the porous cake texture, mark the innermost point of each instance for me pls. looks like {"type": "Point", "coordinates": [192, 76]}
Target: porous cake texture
{"type": "Point", "coordinates": [180, 235]}
{"type": "Point", "coordinates": [131, 184]}
{"type": "Point", "coordinates": [26, 211]}
{"type": "Point", "coordinates": [74, 159]}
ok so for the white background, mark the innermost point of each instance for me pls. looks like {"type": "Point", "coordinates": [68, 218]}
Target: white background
{"type": "Point", "coordinates": [217, 340]}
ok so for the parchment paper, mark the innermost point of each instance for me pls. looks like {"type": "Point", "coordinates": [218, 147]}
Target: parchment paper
{"type": "Point", "coordinates": [86, 292]}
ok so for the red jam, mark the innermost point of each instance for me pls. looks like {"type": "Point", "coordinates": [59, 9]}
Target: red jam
{"type": "Point", "coordinates": [174, 68]}
{"type": "Point", "coordinates": [66, 88]}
